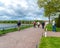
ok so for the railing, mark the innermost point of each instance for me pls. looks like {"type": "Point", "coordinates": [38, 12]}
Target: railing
{"type": "Point", "coordinates": [3, 27]}
{"type": "Point", "coordinates": [8, 27]}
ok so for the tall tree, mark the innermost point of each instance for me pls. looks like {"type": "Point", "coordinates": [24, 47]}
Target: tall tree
{"type": "Point", "coordinates": [58, 22]}
{"type": "Point", "coordinates": [50, 7]}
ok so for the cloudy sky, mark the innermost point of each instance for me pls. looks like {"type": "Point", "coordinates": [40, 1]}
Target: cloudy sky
{"type": "Point", "coordinates": [20, 10]}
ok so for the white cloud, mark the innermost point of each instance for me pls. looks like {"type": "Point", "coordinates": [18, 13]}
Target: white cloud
{"type": "Point", "coordinates": [28, 9]}
{"type": "Point", "coordinates": [24, 4]}
{"type": "Point", "coordinates": [1, 8]}
{"type": "Point", "coordinates": [6, 2]}
{"type": "Point", "coordinates": [4, 18]}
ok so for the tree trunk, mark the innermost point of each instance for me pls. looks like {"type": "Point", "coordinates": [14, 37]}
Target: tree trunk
{"type": "Point", "coordinates": [49, 19]}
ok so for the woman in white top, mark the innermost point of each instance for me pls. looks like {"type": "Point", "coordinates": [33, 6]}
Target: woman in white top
{"type": "Point", "coordinates": [38, 23]}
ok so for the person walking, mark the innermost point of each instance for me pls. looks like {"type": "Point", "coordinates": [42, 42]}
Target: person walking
{"type": "Point", "coordinates": [38, 24]}
{"type": "Point", "coordinates": [18, 24]}
{"type": "Point", "coordinates": [34, 23]}
{"type": "Point", "coordinates": [43, 24]}
{"type": "Point", "coordinates": [54, 26]}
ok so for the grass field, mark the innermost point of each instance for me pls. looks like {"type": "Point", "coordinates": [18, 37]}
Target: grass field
{"type": "Point", "coordinates": [49, 28]}
{"type": "Point", "coordinates": [2, 32]}
{"type": "Point", "coordinates": [50, 42]}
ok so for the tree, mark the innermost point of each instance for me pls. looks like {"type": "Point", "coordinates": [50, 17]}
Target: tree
{"type": "Point", "coordinates": [50, 6]}
{"type": "Point", "coordinates": [58, 22]}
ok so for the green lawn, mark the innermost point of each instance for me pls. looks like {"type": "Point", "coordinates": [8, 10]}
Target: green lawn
{"type": "Point", "coordinates": [49, 28]}
{"type": "Point", "coordinates": [50, 42]}
{"type": "Point", "coordinates": [2, 32]}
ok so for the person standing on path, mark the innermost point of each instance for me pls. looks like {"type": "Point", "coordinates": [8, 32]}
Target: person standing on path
{"type": "Point", "coordinates": [38, 24]}
{"type": "Point", "coordinates": [18, 24]}
{"type": "Point", "coordinates": [34, 23]}
{"type": "Point", "coordinates": [43, 24]}
{"type": "Point", "coordinates": [54, 26]}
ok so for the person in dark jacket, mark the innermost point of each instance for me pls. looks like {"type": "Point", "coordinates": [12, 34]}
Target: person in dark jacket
{"type": "Point", "coordinates": [43, 24]}
{"type": "Point", "coordinates": [18, 24]}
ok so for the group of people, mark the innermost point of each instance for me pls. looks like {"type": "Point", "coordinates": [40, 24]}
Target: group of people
{"type": "Point", "coordinates": [38, 24]}
{"type": "Point", "coordinates": [43, 24]}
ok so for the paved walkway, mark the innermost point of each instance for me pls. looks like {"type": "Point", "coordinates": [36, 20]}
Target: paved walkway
{"type": "Point", "coordinates": [27, 38]}
{"type": "Point", "coordinates": [53, 34]}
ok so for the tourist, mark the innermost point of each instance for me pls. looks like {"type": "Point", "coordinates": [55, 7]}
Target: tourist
{"type": "Point", "coordinates": [54, 26]}
{"type": "Point", "coordinates": [34, 23]}
{"type": "Point", "coordinates": [19, 24]}
{"type": "Point", "coordinates": [43, 24]}
{"type": "Point", "coordinates": [38, 24]}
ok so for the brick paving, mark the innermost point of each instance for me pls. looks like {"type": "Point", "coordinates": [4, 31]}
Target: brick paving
{"type": "Point", "coordinates": [27, 38]}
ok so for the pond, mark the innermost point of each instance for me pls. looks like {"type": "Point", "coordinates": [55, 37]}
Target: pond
{"type": "Point", "coordinates": [8, 26]}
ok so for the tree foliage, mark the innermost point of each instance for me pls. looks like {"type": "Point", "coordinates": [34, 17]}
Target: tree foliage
{"type": "Point", "coordinates": [50, 6]}
{"type": "Point", "coordinates": [58, 21]}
